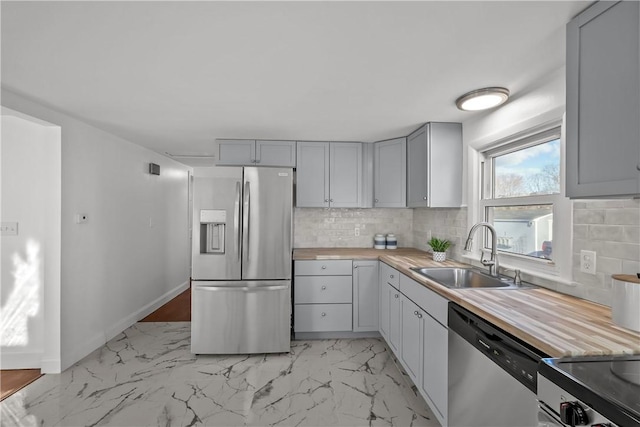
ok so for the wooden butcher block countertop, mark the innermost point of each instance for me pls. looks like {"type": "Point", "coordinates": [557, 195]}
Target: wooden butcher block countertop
{"type": "Point", "coordinates": [555, 323]}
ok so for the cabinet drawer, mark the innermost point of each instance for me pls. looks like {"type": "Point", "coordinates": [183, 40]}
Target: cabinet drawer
{"type": "Point", "coordinates": [390, 275]}
{"type": "Point", "coordinates": [322, 317]}
{"type": "Point", "coordinates": [322, 289]}
{"type": "Point", "coordinates": [323, 268]}
{"type": "Point", "coordinates": [427, 299]}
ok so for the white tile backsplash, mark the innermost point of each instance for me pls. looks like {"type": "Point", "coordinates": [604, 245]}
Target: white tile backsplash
{"type": "Point", "coordinates": [329, 228]}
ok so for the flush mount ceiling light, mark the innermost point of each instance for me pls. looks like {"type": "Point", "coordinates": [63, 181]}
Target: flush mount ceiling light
{"type": "Point", "coordinates": [482, 99]}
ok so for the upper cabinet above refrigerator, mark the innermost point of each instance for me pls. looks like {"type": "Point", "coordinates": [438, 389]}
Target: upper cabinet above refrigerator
{"type": "Point", "coordinates": [603, 101]}
{"type": "Point", "coordinates": [249, 152]}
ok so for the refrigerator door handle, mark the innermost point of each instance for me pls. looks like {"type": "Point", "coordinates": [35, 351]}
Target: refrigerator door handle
{"type": "Point", "coordinates": [236, 220]}
{"type": "Point", "coordinates": [246, 213]}
{"type": "Point", "coordinates": [242, 288]}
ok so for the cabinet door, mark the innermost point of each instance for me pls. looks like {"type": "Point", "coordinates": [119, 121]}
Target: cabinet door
{"type": "Point", "coordinates": [276, 153]}
{"type": "Point", "coordinates": [445, 165]}
{"type": "Point", "coordinates": [236, 152]}
{"type": "Point", "coordinates": [394, 319]}
{"type": "Point", "coordinates": [434, 363]}
{"type": "Point", "coordinates": [417, 168]}
{"type": "Point", "coordinates": [411, 338]}
{"type": "Point", "coordinates": [365, 296]}
{"type": "Point", "coordinates": [345, 171]}
{"type": "Point", "coordinates": [603, 101]}
{"type": "Point", "coordinates": [390, 173]}
{"type": "Point", "coordinates": [383, 304]}
{"type": "Point", "coordinates": [312, 175]}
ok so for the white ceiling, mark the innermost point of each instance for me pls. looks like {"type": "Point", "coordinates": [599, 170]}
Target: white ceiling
{"type": "Point", "coordinates": [173, 76]}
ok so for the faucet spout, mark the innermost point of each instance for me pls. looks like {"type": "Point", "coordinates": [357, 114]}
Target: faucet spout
{"type": "Point", "coordinates": [492, 263]}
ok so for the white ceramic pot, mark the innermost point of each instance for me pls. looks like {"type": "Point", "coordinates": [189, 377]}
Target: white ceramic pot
{"type": "Point", "coordinates": [625, 304]}
{"type": "Point", "coordinates": [439, 256]}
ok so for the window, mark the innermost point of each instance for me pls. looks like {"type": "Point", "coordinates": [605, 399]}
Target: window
{"type": "Point", "coordinates": [521, 195]}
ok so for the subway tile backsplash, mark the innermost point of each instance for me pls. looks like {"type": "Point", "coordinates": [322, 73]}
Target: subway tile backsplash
{"type": "Point", "coordinates": [329, 228]}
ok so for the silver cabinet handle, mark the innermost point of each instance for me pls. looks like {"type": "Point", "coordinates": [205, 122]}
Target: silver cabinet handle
{"type": "Point", "coordinates": [419, 315]}
{"type": "Point", "coordinates": [326, 200]}
{"type": "Point", "coordinates": [323, 314]}
{"type": "Point", "coordinates": [415, 312]}
{"type": "Point", "coordinates": [397, 296]}
{"type": "Point", "coordinates": [323, 287]}
{"type": "Point", "coordinates": [324, 267]}
{"type": "Point", "coordinates": [331, 200]}
{"type": "Point", "coordinates": [376, 200]}
{"type": "Point", "coordinates": [391, 276]}
{"type": "Point", "coordinates": [355, 266]}
{"type": "Point", "coordinates": [424, 198]}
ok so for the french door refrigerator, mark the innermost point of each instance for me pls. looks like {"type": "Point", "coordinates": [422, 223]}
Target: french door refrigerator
{"type": "Point", "coordinates": [241, 261]}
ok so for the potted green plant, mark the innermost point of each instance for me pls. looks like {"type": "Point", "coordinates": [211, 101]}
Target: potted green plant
{"type": "Point", "coordinates": [439, 247]}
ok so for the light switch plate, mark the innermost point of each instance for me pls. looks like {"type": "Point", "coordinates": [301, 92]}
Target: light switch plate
{"type": "Point", "coordinates": [9, 229]}
{"type": "Point", "coordinates": [588, 262]}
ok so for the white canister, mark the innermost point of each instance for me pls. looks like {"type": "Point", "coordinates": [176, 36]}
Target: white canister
{"type": "Point", "coordinates": [392, 242]}
{"type": "Point", "coordinates": [625, 301]}
{"type": "Point", "coordinates": [379, 241]}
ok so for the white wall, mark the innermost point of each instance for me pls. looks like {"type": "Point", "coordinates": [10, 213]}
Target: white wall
{"type": "Point", "coordinates": [133, 253]}
{"type": "Point", "coordinates": [30, 260]}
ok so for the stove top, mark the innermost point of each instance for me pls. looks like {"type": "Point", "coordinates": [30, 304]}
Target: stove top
{"type": "Point", "coordinates": [608, 384]}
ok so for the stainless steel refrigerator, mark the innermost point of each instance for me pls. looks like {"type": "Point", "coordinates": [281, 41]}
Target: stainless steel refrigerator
{"type": "Point", "coordinates": [241, 262]}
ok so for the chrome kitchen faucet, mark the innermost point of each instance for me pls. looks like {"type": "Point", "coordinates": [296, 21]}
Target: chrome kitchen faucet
{"type": "Point", "coordinates": [493, 262]}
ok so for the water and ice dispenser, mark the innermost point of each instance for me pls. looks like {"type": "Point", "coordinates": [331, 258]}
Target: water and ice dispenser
{"type": "Point", "coordinates": [212, 228]}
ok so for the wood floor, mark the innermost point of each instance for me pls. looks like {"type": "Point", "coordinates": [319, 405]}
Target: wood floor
{"type": "Point", "coordinates": [14, 379]}
{"type": "Point", "coordinates": [176, 310]}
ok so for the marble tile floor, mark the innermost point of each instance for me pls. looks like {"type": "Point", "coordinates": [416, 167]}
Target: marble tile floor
{"type": "Point", "coordinates": [147, 376]}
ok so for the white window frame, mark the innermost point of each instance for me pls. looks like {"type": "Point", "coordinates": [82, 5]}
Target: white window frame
{"type": "Point", "coordinates": [558, 269]}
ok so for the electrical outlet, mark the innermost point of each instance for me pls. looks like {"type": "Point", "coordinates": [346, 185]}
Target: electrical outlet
{"type": "Point", "coordinates": [357, 231]}
{"type": "Point", "coordinates": [588, 262]}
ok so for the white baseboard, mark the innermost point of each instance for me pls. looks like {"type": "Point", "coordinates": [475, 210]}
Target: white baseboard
{"type": "Point", "coordinates": [20, 360]}
{"type": "Point", "coordinates": [88, 346]}
{"type": "Point", "coordinates": [51, 366]}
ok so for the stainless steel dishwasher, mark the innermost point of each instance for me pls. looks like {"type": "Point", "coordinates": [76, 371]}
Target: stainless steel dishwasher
{"type": "Point", "coordinates": [492, 375]}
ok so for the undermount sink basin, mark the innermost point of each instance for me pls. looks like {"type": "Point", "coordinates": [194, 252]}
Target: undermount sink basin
{"type": "Point", "coordinates": [466, 278]}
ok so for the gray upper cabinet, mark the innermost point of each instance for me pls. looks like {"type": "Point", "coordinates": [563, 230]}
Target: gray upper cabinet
{"type": "Point", "coordinates": [249, 152]}
{"type": "Point", "coordinates": [329, 174]}
{"type": "Point", "coordinates": [234, 152]}
{"type": "Point", "coordinates": [603, 101]}
{"type": "Point", "coordinates": [390, 173]}
{"type": "Point", "coordinates": [434, 166]}
{"type": "Point", "coordinates": [276, 153]}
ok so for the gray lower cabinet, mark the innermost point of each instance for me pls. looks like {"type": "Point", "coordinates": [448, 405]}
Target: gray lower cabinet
{"type": "Point", "coordinates": [413, 321]}
{"type": "Point", "coordinates": [388, 276]}
{"type": "Point", "coordinates": [322, 296]}
{"type": "Point", "coordinates": [434, 383]}
{"type": "Point", "coordinates": [603, 101]}
{"type": "Point", "coordinates": [365, 296]}
{"type": "Point", "coordinates": [329, 174]}
{"type": "Point", "coordinates": [395, 320]}
{"type": "Point", "coordinates": [434, 166]}
{"type": "Point", "coordinates": [411, 329]}
{"type": "Point", "coordinates": [249, 152]}
{"type": "Point", "coordinates": [390, 173]}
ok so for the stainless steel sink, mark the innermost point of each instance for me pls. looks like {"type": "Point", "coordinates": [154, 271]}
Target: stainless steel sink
{"type": "Point", "coordinates": [467, 278]}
